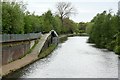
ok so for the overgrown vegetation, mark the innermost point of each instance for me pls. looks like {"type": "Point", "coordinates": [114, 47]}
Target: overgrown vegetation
{"type": "Point", "coordinates": [104, 31]}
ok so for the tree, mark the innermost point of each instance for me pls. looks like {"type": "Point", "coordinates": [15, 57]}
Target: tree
{"type": "Point", "coordinates": [32, 23]}
{"type": "Point", "coordinates": [95, 35]}
{"type": "Point", "coordinates": [89, 27]}
{"type": "Point", "coordinates": [117, 47]}
{"type": "Point", "coordinates": [70, 26]}
{"type": "Point", "coordinates": [0, 18]}
{"type": "Point", "coordinates": [58, 24]}
{"type": "Point", "coordinates": [82, 27]}
{"type": "Point", "coordinates": [65, 10]}
{"type": "Point", "coordinates": [16, 20]}
{"type": "Point", "coordinates": [12, 18]}
{"type": "Point", "coordinates": [48, 21]}
{"type": "Point", "coordinates": [105, 31]}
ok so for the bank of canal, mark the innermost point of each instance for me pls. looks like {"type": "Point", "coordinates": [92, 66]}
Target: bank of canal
{"type": "Point", "coordinates": [73, 59]}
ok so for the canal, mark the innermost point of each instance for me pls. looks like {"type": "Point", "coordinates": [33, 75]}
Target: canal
{"type": "Point", "coordinates": [75, 58]}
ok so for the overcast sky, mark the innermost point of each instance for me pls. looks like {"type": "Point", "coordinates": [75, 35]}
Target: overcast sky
{"type": "Point", "coordinates": [86, 10]}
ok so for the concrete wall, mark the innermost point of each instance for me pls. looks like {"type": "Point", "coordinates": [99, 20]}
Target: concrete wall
{"type": "Point", "coordinates": [52, 39]}
{"type": "Point", "coordinates": [15, 50]}
{"type": "Point", "coordinates": [55, 40]}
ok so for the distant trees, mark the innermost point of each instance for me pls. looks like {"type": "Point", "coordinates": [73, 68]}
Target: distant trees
{"type": "Point", "coordinates": [89, 27]}
{"type": "Point", "coordinates": [16, 20]}
{"type": "Point", "coordinates": [104, 28]}
{"type": "Point", "coordinates": [105, 31]}
{"type": "Point", "coordinates": [65, 10]}
{"type": "Point", "coordinates": [82, 27]}
{"type": "Point", "coordinates": [58, 24]}
{"type": "Point", "coordinates": [48, 21]}
{"type": "Point", "coordinates": [32, 23]}
{"type": "Point", "coordinates": [69, 26]}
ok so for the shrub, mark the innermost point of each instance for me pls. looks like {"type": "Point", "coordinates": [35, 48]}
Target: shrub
{"type": "Point", "coordinates": [117, 50]}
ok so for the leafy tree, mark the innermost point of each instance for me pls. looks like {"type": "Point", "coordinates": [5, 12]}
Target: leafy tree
{"type": "Point", "coordinates": [96, 36]}
{"type": "Point", "coordinates": [16, 20]}
{"type": "Point", "coordinates": [89, 27]}
{"type": "Point", "coordinates": [105, 31]}
{"type": "Point", "coordinates": [48, 21]}
{"type": "Point", "coordinates": [12, 18]}
{"type": "Point", "coordinates": [58, 24]}
{"type": "Point", "coordinates": [82, 27]}
{"type": "Point", "coordinates": [69, 26]}
{"type": "Point", "coordinates": [32, 23]}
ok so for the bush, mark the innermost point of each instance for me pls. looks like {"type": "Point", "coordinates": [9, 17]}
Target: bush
{"type": "Point", "coordinates": [117, 50]}
{"type": "Point", "coordinates": [110, 46]}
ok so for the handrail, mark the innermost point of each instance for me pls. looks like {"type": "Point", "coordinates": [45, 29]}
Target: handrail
{"type": "Point", "coordinates": [19, 37]}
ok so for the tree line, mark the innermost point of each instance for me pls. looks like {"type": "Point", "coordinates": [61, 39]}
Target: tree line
{"type": "Point", "coordinates": [104, 31]}
{"type": "Point", "coordinates": [17, 20]}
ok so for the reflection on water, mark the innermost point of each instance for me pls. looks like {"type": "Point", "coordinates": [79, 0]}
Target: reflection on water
{"type": "Point", "coordinates": [73, 59]}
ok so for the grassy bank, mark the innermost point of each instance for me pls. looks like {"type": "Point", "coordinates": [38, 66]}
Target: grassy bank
{"type": "Point", "coordinates": [47, 51]}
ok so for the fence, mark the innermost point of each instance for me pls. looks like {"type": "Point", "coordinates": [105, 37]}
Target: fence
{"type": "Point", "coordinates": [19, 37]}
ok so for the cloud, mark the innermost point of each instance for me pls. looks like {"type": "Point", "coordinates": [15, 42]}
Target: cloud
{"type": "Point", "coordinates": [86, 10]}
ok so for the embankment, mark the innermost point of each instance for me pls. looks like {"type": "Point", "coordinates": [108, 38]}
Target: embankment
{"type": "Point", "coordinates": [43, 48]}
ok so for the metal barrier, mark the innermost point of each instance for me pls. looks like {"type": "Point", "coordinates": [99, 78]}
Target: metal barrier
{"type": "Point", "coordinates": [19, 37]}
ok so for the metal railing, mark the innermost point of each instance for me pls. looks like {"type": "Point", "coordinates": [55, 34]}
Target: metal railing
{"type": "Point", "coordinates": [19, 37]}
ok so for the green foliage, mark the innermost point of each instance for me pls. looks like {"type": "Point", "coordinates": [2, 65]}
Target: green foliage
{"type": "Point", "coordinates": [117, 50]}
{"type": "Point", "coordinates": [48, 23]}
{"type": "Point", "coordinates": [47, 51]}
{"type": "Point", "coordinates": [69, 26]}
{"type": "Point", "coordinates": [32, 23]}
{"type": "Point", "coordinates": [16, 20]}
{"type": "Point", "coordinates": [82, 27]}
{"type": "Point", "coordinates": [105, 31]}
{"type": "Point", "coordinates": [111, 45]}
{"type": "Point", "coordinates": [12, 18]}
{"type": "Point", "coordinates": [89, 27]}
{"type": "Point", "coordinates": [58, 24]}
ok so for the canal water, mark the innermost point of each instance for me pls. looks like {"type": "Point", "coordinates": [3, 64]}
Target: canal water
{"type": "Point", "coordinates": [75, 58]}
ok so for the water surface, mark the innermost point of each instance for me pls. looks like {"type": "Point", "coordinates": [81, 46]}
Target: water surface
{"type": "Point", "coordinates": [73, 59]}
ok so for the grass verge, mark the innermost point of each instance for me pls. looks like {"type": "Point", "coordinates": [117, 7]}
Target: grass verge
{"type": "Point", "coordinates": [47, 51]}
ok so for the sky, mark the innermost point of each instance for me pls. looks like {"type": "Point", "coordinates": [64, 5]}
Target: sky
{"type": "Point", "coordinates": [86, 9]}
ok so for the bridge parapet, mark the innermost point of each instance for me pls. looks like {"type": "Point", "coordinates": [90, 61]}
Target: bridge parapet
{"type": "Point", "coordinates": [13, 50]}
{"type": "Point", "coordinates": [19, 37]}
{"type": "Point", "coordinates": [15, 46]}
{"type": "Point", "coordinates": [52, 38]}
